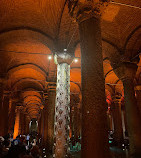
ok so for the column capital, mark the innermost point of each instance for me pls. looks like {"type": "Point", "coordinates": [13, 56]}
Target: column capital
{"type": "Point", "coordinates": [116, 99]}
{"type": "Point", "coordinates": [63, 58]}
{"type": "Point", "coordinates": [82, 10]}
{"type": "Point", "coordinates": [138, 88]}
{"type": "Point", "coordinates": [126, 70]}
{"type": "Point", "coordinates": [51, 87]}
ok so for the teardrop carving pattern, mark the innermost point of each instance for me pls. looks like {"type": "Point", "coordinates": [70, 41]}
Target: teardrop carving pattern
{"type": "Point", "coordinates": [62, 109]}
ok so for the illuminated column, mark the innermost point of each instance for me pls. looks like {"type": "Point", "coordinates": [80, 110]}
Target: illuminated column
{"type": "Point", "coordinates": [117, 118]}
{"type": "Point", "coordinates": [62, 107]}
{"type": "Point", "coordinates": [17, 121]}
{"type": "Point", "coordinates": [126, 72]}
{"type": "Point", "coordinates": [94, 119]}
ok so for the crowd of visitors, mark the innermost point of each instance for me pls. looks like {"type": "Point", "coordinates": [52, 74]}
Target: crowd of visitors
{"type": "Point", "coordinates": [21, 147]}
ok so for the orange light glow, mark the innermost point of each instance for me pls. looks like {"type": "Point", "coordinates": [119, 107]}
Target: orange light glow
{"type": "Point", "coordinates": [16, 126]}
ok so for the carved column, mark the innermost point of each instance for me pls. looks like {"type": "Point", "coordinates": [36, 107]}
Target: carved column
{"type": "Point", "coordinates": [117, 119]}
{"type": "Point", "coordinates": [94, 119]}
{"type": "Point", "coordinates": [62, 107]}
{"type": "Point", "coordinates": [126, 72]}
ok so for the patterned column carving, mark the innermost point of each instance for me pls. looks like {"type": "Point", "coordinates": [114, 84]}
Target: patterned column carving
{"type": "Point", "coordinates": [62, 106]}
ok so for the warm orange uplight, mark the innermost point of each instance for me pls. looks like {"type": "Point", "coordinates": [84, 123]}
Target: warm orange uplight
{"type": "Point", "coordinates": [16, 126]}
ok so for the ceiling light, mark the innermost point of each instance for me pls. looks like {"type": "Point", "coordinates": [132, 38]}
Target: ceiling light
{"type": "Point", "coordinates": [49, 57]}
{"type": "Point", "coordinates": [75, 60]}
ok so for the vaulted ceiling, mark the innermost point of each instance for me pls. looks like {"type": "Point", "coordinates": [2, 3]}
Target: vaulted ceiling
{"type": "Point", "coordinates": [31, 30]}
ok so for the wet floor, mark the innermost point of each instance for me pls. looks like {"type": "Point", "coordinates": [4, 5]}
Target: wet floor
{"type": "Point", "coordinates": [116, 153]}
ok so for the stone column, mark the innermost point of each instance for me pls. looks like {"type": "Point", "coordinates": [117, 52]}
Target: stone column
{"type": "Point", "coordinates": [42, 124]}
{"type": "Point", "coordinates": [126, 72]}
{"type": "Point", "coordinates": [1, 99]}
{"type": "Point", "coordinates": [117, 119]}
{"type": "Point", "coordinates": [125, 129]}
{"type": "Point", "coordinates": [94, 119]}
{"type": "Point", "coordinates": [138, 96]}
{"type": "Point", "coordinates": [17, 122]}
{"type": "Point", "coordinates": [39, 125]}
{"type": "Point", "coordinates": [22, 123]}
{"type": "Point", "coordinates": [62, 106]}
{"type": "Point", "coordinates": [51, 113]}
{"type": "Point", "coordinates": [11, 118]}
{"type": "Point", "coordinates": [76, 122]}
{"type": "Point", "coordinates": [45, 121]}
{"type": "Point", "coordinates": [5, 111]}
{"type": "Point", "coordinates": [27, 124]}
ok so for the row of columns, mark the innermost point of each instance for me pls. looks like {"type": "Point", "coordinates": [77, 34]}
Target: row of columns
{"type": "Point", "coordinates": [94, 124]}
{"type": "Point", "coordinates": [9, 113]}
{"type": "Point", "coordinates": [94, 121]}
{"type": "Point", "coordinates": [126, 72]}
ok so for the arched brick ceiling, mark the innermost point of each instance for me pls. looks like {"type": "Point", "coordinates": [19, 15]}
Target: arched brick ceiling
{"type": "Point", "coordinates": [124, 21]}
{"type": "Point", "coordinates": [44, 15]}
{"type": "Point", "coordinates": [43, 26]}
{"type": "Point", "coordinates": [32, 102]}
{"type": "Point", "coordinates": [52, 19]}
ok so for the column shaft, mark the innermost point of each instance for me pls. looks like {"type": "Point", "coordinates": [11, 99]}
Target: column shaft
{"type": "Point", "coordinates": [5, 110]}
{"type": "Point", "coordinates": [62, 110]}
{"type": "Point", "coordinates": [45, 123]}
{"type": "Point", "coordinates": [94, 119]}
{"type": "Point", "coordinates": [76, 122]}
{"type": "Point", "coordinates": [16, 126]}
{"type": "Point", "coordinates": [1, 115]}
{"type": "Point", "coordinates": [133, 119]}
{"type": "Point", "coordinates": [11, 118]}
{"type": "Point", "coordinates": [138, 93]}
{"type": "Point", "coordinates": [51, 112]}
{"type": "Point", "coordinates": [117, 119]}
